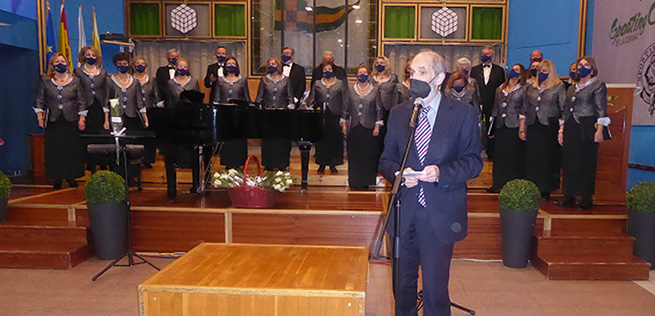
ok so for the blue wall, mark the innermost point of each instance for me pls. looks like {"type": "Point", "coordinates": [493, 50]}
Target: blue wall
{"type": "Point", "coordinates": [109, 15]}
{"type": "Point", "coordinates": [551, 27]}
{"type": "Point", "coordinates": [642, 142]}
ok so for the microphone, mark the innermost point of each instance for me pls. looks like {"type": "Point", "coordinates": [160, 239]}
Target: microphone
{"type": "Point", "coordinates": [418, 104]}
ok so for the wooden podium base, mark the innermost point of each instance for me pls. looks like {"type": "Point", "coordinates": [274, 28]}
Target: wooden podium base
{"type": "Point", "coordinates": [248, 279]}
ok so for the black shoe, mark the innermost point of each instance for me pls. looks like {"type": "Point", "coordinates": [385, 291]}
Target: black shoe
{"type": "Point", "coordinates": [147, 165]}
{"type": "Point", "coordinates": [172, 193]}
{"type": "Point", "coordinates": [193, 190]}
{"type": "Point", "coordinates": [565, 201]}
{"type": "Point", "coordinates": [57, 184]}
{"type": "Point", "coordinates": [545, 196]}
{"type": "Point", "coordinates": [321, 169]}
{"type": "Point", "coordinates": [333, 169]}
{"type": "Point", "coordinates": [493, 190]}
{"type": "Point", "coordinates": [72, 183]}
{"type": "Point", "coordinates": [584, 203]}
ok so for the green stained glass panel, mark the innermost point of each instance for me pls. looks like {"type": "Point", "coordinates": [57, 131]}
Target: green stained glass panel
{"type": "Point", "coordinates": [399, 22]}
{"type": "Point", "coordinates": [487, 23]}
{"type": "Point", "coordinates": [144, 19]}
{"type": "Point", "coordinates": [230, 19]}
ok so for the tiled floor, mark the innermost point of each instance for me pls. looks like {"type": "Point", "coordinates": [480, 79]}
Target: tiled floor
{"type": "Point", "coordinates": [489, 288]}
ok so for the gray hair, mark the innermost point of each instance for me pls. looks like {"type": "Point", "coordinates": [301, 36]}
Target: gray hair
{"type": "Point", "coordinates": [436, 60]}
{"type": "Point", "coordinates": [327, 52]}
{"type": "Point", "coordinates": [462, 61]}
{"type": "Point", "coordinates": [172, 50]}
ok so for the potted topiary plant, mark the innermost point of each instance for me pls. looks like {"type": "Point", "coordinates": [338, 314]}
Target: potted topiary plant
{"type": "Point", "coordinates": [641, 220]}
{"type": "Point", "coordinates": [519, 202]}
{"type": "Point", "coordinates": [105, 201]}
{"type": "Point", "coordinates": [5, 189]}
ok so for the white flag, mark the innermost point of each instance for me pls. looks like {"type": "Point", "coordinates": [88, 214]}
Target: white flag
{"type": "Point", "coordinates": [81, 35]}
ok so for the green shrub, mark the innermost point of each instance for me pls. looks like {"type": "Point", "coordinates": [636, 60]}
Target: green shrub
{"type": "Point", "coordinates": [519, 195]}
{"type": "Point", "coordinates": [642, 197]}
{"type": "Point", "coordinates": [105, 187]}
{"type": "Point", "coordinates": [5, 186]}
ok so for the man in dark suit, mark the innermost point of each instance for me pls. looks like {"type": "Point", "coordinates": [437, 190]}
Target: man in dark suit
{"type": "Point", "coordinates": [166, 73]}
{"type": "Point", "coordinates": [489, 77]}
{"type": "Point", "coordinates": [339, 72]}
{"type": "Point", "coordinates": [214, 71]}
{"type": "Point", "coordinates": [295, 72]}
{"type": "Point", "coordinates": [434, 213]}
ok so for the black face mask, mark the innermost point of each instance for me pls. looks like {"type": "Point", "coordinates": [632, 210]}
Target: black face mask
{"type": "Point", "coordinates": [419, 88]}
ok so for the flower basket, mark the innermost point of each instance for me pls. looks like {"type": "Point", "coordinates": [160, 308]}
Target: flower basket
{"type": "Point", "coordinates": [250, 196]}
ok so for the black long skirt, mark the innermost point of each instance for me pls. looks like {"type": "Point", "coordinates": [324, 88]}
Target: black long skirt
{"type": "Point", "coordinates": [579, 159]}
{"type": "Point", "coordinates": [509, 156]}
{"type": "Point", "coordinates": [541, 157]}
{"type": "Point", "coordinates": [329, 151]}
{"type": "Point", "coordinates": [95, 118]}
{"type": "Point", "coordinates": [64, 150]}
{"type": "Point", "coordinates": [234, 152]}
{"type": "Point", "coordinates": [275, 153]}
{"type": "Point", "coordinates": [363, 157]}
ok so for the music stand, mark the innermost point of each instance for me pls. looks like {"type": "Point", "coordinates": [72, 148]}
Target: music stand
{"type": "Point", "coordinates": [121, 151]}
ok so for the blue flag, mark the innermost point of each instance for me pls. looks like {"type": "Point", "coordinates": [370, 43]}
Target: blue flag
{"type": "Point", "coordinates": [51, 45]}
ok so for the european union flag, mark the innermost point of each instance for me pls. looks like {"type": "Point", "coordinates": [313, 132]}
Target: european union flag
{"type": "Point", "coordinates": [50, 46]}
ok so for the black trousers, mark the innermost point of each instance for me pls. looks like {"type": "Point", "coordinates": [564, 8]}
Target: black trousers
{"type": "Point", "coordinates": [419, 246]}
{"type": "Point", "coordinates": [173, 156]}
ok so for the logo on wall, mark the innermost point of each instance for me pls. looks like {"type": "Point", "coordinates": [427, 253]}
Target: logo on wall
{"type": "Point", "coordinates": [444, 22]}
{"type": "Point", "coordinates": [184, 19]}
{"type": "Point", "coordinates": [646, 78]}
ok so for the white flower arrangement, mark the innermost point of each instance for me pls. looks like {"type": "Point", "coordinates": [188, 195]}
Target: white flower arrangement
{"type": "Point", "coordinates": [278, 181]}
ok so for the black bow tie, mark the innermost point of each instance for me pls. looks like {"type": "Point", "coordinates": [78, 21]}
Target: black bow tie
{"type": "Point", "coordinates": [486, 66]}
{"type": "Point", "coordinates": [171, 67]}
{"type": "Point", "coordinates": [286, 66]}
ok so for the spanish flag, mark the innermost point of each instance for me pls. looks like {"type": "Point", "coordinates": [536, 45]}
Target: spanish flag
{"type": "Point", "coordinates": [64, 44]}
{"type": "Point", "coordinates": [95, 35]}
{"type": "Point", "coordinates": [293, 16]}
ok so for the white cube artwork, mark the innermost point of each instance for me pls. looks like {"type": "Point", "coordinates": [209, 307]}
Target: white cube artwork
{"type": "Point", "coordinates": [444, 22]}
{"type": "Point", "coordinates": [184, 19]}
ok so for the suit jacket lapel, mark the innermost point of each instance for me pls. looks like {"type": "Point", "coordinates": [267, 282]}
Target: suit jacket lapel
{"type": "Point", "coordinates": [439, 130]}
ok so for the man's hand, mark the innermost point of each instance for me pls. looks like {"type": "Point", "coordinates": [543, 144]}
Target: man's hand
{"type": "Point", "coordinates": [212, 78]}
{"type": "Point", "coordinates": [431, 174]}
{"type": "Point", "coordinates": [410, 182]}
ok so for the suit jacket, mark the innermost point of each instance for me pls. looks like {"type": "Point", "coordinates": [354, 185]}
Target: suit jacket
{"type": "Point", "coordinates": [454, 148]}
{"type": "Point", "coordinates": [297, 81]}
{"type": "Point", "coordinates": [212, 69]}
{"type": "Point", "coordinates": [488, 91]}
{"type": "Point", "coordinates": [162, 77]}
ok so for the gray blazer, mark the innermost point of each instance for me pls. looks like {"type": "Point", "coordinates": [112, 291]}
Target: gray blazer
{"type": "Point", "coordinates": [589, 101]}
{"type": "Point", "coordinates": [130, 98]}
{"type": "Point", "coordinates": [387, 91]}
{"type": "Point", "coordinates": [227, 90]}
{"type": "Point", "coordinates": [470, 96]}
{"type": "Point", "coordinates": [543, 104]}
{"type": "Point", "coordinates": [508, 107]}
{"type": "Point", "coordinates": [66, 100]}
{"type": "Point", "coordinates": [363, 109]}
{"type": "Point", "coordinates": [274, 94]}
{"type": "Point", "coordinates": [402, 92]}
{"type": "Point", "coordinates": [332, 99]}
{"type": "Point", "coordinates": [150, 93]}
{"type": "Point", "coordinates": [175, 89]}
{"type": "Point", "coordinates": [93, 86]}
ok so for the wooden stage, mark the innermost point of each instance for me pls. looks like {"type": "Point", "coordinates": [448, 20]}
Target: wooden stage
{"type": "Point", "coordinates": [49, 229]}
{"type": "Point", "coordinates": [247, 279]}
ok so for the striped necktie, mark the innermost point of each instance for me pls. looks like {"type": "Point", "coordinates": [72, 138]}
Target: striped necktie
{"type": "Point", "coordinates": [422, 140]}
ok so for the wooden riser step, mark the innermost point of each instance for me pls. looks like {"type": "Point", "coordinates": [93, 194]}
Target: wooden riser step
{"type": "Point", "coordinates": [31, 256]}
{"type": "Point", "coordinates": [583, 245]}
{"type": "Point", "coordinates": [18, 233]}
{"type": "Point", "coordinates": [592, 267]}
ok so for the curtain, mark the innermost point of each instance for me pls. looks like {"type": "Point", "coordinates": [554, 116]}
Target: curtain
{"type": "Point", "coordinates": [399, 22]}
{"type": "Point", "coordinates": [230, 20]}
{"type": "Point", "coordinates": [144, 19]}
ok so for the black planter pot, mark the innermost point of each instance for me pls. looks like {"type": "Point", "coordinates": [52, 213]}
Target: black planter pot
{"type": "Point", "coordinates": [109, 228]}
{"type": "Point", "coordinates": [641, 226]}
{"type": "Point", "coordinates": [517, 231]}
{"type": "Point", "coordinates": [3, 210]}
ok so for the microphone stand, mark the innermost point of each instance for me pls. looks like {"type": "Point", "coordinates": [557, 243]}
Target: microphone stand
{"type": "Point", "coordinates": [395, 200]}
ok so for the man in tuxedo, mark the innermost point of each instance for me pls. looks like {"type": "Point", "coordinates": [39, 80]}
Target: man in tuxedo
{"type": "Point", "coordinates": [446, 148]}
{"type": "Point", "coordinates": [295, 72]}
{"type": "Point", "coordinates": [166, 73]}
{"type": "Point", "coordinates": [215, 70]}
{"type": "Point", "coordinates": [339, 72]}
{"type": "Point", "coordinates": [489, 77]}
